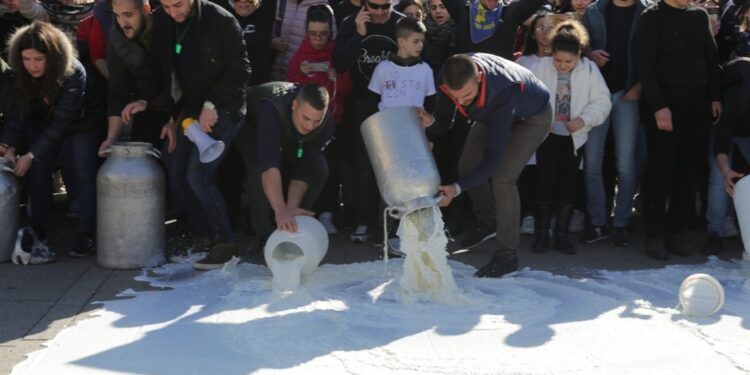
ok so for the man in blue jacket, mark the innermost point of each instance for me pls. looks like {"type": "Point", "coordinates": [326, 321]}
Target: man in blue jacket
{"type": "Point", "coordinates": [509, 112]}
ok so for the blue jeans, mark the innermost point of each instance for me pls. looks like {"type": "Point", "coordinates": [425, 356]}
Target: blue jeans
{"type": "Point", "coordinates": [717, 196]}
{"type": "Point", "coordinates": [624, 115]}
{"type": "Point", "coordinates": [195, 187]}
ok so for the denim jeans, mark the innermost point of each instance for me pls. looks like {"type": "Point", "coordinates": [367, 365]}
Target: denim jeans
{"type": "Point", "coordinates": [717, 196]}
{"type": "Point", "coordinates": [195, 187]}
{"type": "Point", "coordinates": [499, 202]}
{"type": "Point", "coordinates": [78, 162]}
{"type": "Point", "coordinates": [624, 117]}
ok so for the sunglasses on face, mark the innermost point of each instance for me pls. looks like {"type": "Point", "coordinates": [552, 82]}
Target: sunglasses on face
{"type": "Point", "coordinates": [374, 6]}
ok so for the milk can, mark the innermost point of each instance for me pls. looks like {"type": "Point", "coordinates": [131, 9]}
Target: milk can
{"type": "Point", "coordinates": [8, 209]}
{"type": "Point", "coordinates": [404, 167]}
{"type": "Point", "coordinates": [293, 257]}
{"type": "Point", "coordinates": [130, 208]}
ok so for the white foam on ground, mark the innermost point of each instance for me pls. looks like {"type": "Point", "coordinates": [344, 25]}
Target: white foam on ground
{"type": "Point", "coordinates": [350, 319]}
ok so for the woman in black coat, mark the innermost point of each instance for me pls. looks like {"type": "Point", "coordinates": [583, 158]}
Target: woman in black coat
{"type": "Point", "coordinates": [48, 97]}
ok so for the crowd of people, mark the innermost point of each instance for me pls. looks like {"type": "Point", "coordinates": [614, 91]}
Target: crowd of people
{"type": "Point", "coordinates": [551, 116]}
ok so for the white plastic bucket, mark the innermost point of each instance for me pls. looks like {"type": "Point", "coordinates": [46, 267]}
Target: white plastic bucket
{"type": "Point", "coordinates": [701, 295]}
{"type": "Point", "coordinates": [292, 257]}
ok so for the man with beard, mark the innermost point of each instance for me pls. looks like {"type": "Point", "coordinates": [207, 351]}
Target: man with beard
{"type": "Point", "coordinates": [198, 71]}
{"type": "Point", "coordinates": [126, 61]}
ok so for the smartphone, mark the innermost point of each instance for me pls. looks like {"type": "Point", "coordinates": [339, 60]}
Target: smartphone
{"type": "Point", "coordinates": [320, 66]}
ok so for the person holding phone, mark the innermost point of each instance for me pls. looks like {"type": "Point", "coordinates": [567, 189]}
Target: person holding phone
{"type": "Point", "coordinates": [362, 43]}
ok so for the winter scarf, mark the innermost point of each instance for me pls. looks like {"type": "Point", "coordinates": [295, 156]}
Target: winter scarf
{"type": "Point", "coordinates": [441, 35]}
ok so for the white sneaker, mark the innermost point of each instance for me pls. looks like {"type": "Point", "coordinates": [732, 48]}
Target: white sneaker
{"type": "Point", "coordinates": [42, 254]}
{"type": "Point", "coordinates": [24, 243]}
{"type": "Point", "coordinates": [527, 225]}
{"type": "Point", "coordinates": [394, 247]}
{"type": "Point", "coordinates": [730, 228]}
{"type": "Point", "coordinates": [360, 235]}
{"type": "Point", "coordinates": [326, 218]}
{"type": "Point", "coordinates": [30, 250]}
{"type": "Point", "coordinates": [576, 221]}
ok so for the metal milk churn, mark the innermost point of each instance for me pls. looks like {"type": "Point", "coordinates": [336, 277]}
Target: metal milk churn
{"type": "Point", "coordinates": [8, 209]}
{"type": "Point", "coordinates": [130, 200]}
{"type": "Point", "coordinates": [404, 167]}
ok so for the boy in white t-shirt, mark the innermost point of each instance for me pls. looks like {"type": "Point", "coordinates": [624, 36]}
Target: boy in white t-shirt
{"type": "Point", "coordinates": [404, 80]}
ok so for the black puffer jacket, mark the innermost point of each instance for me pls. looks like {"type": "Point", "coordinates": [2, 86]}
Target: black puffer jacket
{"type": "Point", "coordinates": [65, 114]}
{"type": "Point", "coordinates": [223, 63]}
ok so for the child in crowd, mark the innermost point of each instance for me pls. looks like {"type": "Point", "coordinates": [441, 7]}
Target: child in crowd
{"type": "Point", "coordinates": [536, 46]}
{"type": "Point", "coordinates": [581, 101]}
{"type": "Point", "coordinates": [312, 64]}
{"type": "Point", "coordinates": [404, 79]}
{"type": "Point", "coordinates": [441, 31]}
{"type": "Point", "coordinates": [411, 8]}
{"type": "Point", "coordinates": [536, 43]}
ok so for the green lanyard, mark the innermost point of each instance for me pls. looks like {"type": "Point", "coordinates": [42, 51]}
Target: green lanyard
{"type": "Point", "coordinates": [178, 45]}
{"type": "Point", "coordinates": [300, 151]}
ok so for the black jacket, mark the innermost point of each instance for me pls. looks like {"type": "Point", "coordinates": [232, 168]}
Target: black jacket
{"type": "Point", "coordinates": [66, 113]}
{"type": "Point", "coordinates": [278, 141]}
{"type": "Point", "coordinates": [256, 29]}
{"type": "Point", "coordinates": [501, 43]}
{"type": "Point", "coordinates": [223, 62]}
{"type": "Point", "coordinates": [510, 92]}
{"type": "Point", "coordinates": [128, 69]}
{"type": "Point", "coordinates": [674, 49]}
{"type": "Point", "coordinates": [361, 54]}
{"type": "Point", "coordinates": [735, 118]}
{"type": "Point", "coordinates": [6, 88]}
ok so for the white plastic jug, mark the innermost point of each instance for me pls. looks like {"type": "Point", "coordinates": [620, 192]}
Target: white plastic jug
{"type": "Point", "coordinates": [292, 257]}
{"type": "Point", "coordinates": [742, 207]}
{"type": "Point", "coordinates": [701, 295]}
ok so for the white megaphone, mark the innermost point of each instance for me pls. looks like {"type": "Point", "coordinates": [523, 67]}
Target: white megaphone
{"type": "Point", "coordinates": [209, 148]}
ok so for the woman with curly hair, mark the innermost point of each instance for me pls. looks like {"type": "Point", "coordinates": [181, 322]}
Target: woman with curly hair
{"type": "Point", "coordinates": [46, 108]}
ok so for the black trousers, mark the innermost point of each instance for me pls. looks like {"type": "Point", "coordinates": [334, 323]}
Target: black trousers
{"type": "Point", "coordinates": [675, 159]}
{"type": "Point", "coordinates": [556, 170]}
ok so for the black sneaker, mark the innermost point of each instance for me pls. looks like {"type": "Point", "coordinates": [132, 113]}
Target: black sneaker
{"type": "Point", "coordinates": [676, 245]}
{"type": "Point", "coordinates": [655, 249]}
{"type": "Point", "coordinates": [501, 264]}
{"type": "Point", "coordinates": [713, 244]}
{"type": "Point", "coordinates": [475, 237]}
{"type": "Point", "coordinates": [620, 236]}
{"type": "Point", "coordinates": [563, 244]}
{"type": "Point", "coordinates": [83, 246]}
{"type": "Point", "coordinates": [595, 233]}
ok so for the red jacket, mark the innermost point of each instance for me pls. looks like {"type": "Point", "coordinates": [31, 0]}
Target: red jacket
{"type": "Point", "coordinates": [338, 90]}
